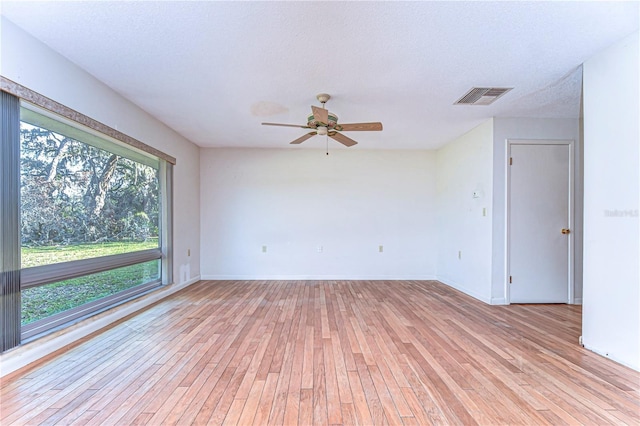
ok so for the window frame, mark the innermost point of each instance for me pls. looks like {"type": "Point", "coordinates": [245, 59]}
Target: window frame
{"type": "Point", "coordinates": [36, 276]}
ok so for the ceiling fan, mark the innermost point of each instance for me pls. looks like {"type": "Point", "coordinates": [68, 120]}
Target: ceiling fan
{"type": "Point", "coordinates": [324, 123]}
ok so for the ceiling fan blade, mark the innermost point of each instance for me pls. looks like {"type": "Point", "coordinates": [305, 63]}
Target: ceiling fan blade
{"type": "Point", "coordinates": [286, 125]}
{"type": "Point", "coordinates": [320, 114]}
{"type": "Point", "coordinates": [369, 127]}
{"type": "Point", "coordinates": [343, 139]}
{"type": "Point", "coordinates": [303, 138]}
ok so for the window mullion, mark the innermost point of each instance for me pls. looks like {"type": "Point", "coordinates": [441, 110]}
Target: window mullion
{"type": "Point", "coordinates": [166, 220]}
{"type": "Point", "coordinates": [41, 275]}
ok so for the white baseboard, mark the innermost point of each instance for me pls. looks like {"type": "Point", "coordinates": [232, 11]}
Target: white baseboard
{"type": "Point", "coordinates": [23, 355]}
{"type": "Point", "coordinates": [498, 301]}
{"type": "Point", "coordinates": [577, 300]}
{"type": "Point", "coordinates": [635, 365]}
{"type": "Point", "coordinates": [466, 291]}
{"type": "Point", "coordinates": [319, 277]}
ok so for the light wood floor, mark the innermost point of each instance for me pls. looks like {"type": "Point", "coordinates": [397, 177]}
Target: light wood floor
{"type": "Point", "coordinates": [329, 352]}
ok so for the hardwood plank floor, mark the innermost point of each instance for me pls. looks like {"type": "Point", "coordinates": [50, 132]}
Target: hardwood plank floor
{"type": "Point", "coordinates": [328, 352]}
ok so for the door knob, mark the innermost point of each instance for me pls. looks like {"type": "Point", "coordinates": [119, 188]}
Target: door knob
{"type": "Point", "coordinates": [565, 231]}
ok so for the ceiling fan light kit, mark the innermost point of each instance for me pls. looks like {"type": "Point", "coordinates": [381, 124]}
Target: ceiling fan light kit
{"type": "Point", "coordinates": [325, 123]}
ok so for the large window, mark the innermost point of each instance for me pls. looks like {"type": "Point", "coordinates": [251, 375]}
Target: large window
{"type": "Point", "coordinates": [80, 196]}
{"type": "Point", "coordinates": [94, 220]}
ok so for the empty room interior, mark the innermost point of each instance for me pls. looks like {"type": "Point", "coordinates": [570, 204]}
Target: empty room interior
{"type": "Point", "coordinates": [319, 212]}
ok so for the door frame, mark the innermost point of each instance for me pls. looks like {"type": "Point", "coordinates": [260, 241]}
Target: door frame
{"type": "Point", "coordinates": [571, 225]}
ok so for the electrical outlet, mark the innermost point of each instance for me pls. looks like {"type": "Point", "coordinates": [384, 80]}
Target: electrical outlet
{"type": "Point", "coordinates": [319, 249]}
{"type": "Point", "coordinates": [264, 249]}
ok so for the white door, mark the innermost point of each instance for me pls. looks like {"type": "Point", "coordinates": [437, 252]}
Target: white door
{"type": "Point", "coordinates": [539, 222]}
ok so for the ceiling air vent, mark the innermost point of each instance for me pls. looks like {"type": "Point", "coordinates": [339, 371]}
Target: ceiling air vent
{"type": "Point", "coordinates": [482, 95]}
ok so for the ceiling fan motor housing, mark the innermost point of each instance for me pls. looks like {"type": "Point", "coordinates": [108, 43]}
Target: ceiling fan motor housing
{"type": "Point", "coordinates": [333, 120]}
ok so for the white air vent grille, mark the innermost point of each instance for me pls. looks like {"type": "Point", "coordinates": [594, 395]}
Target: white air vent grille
{"type": "Point", "coordinates": [482, 95]}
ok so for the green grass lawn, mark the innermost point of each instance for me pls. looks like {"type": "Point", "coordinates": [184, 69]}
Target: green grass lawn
{"type": "Point", "coordinates": [43, 301]}
{"type": "Point", "coordinates": [36, 256]}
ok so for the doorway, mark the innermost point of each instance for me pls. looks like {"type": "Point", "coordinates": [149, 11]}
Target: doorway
{"type": "Point", "coordinates": [539, 212]}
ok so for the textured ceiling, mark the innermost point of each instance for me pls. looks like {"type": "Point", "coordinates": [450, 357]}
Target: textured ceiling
{"type": "Point", "coordinates": [213, 71]}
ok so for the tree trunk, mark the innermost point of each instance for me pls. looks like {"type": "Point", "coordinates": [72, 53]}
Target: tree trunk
{"type": "Point", "coordinates": [100, 195]}
{"type": "Point", "coordinates": [60, 153]}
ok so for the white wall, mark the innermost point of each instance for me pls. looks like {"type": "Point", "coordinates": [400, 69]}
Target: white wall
{"type": "Point", "coordinates": [525, 128]}
{"type": "Point", "coordinates": [29, 62]}
{"type": "Point", "coordinates": [294, 201]}
{"type": "Point", "coordinates": [465, 166]}
{"type": "Point", "coordinates": [611, 312]}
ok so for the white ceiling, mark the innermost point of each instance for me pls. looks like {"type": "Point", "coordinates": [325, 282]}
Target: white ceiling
{"type": "Point", "coordinates": [213, 71]}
